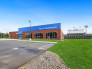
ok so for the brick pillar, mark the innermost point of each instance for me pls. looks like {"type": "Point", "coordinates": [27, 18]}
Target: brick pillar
{"type": "Point", "coordinates": [44, 35]}
{"type": "Point", "coordinates": [59, 35]}
{"type": "Point", "coordinates": [23, 35]}
{"type": "Point", "coordinates": [32, 35]}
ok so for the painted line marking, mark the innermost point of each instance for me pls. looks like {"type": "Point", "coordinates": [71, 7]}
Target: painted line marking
{"type": "Point", "coordinates": [43, 47]}
{"type": "Point", "coordinates": [15, 48]}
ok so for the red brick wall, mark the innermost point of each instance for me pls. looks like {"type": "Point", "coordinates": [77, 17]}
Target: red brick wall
{"type": "Point", "coordinates": [44, 32]}
{"type": "Point", "coordinates": [13, 33]}
{"type": "Point", "coordinates": [59, 32]}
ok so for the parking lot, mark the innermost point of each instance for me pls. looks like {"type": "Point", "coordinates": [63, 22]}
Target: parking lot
{"type": "Point", "coordinates": [14, 53]}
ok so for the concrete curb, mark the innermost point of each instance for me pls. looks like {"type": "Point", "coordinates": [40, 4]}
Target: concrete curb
{"type": "Point", "coordinates": [8, 39]}
{"type": "Point", "coordinates": [29, 40]}
{"type": "Point", "coordinates": [38, 41]}
{"type": "Point", "coordinates": [43, 41]}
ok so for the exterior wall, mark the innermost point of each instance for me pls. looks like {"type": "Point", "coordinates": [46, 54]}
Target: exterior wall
{"type": "Point", "coordinates": [39, 29]}
{"type": "Point", "coordinates": [44, 32]}
{"type": "Point", "coordinates": [13, 33]}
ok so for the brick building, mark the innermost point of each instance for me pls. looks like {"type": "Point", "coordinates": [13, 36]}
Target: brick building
{"type": "Point", "coordinates": [48, 31]}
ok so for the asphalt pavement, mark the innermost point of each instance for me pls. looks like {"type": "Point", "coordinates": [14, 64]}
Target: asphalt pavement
{"type": "Point", "coordinates": [14, 53]}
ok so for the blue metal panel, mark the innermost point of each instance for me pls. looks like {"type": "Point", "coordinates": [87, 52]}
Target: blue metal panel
{"type": "Point", "coordinates": [41, 27]}
{"type": "Point", "coordinates": [20, 35]}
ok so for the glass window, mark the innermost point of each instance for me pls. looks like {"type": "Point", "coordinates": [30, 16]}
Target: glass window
{"type": "Point", "coordinates": [38, 35]}
{"type": "Point", "coordinates": [13, 36]}
{"type": "Point", "coordinates": [28, 35]}
{"type": "Point", "coordinates": [51, 35]}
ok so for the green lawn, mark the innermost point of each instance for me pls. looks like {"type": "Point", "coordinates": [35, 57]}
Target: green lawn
{"type": "Point", "coordinates": [76, 53]}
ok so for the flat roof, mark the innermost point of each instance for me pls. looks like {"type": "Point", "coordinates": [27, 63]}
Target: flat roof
{"type": "Point", "coordinates": [42, 25]}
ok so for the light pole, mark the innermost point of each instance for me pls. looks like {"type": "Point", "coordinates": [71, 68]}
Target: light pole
{"type": "Point", "coordinates": [30, 29]}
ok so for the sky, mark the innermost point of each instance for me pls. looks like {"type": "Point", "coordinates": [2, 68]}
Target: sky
{"type": "Point", "coordinates": [70, 13]}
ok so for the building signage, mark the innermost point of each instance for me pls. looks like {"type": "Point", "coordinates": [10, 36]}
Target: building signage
{"type": "Point", "coordinates": [55, 27]}
{"type": "Point", "coordinates": [40, 27]}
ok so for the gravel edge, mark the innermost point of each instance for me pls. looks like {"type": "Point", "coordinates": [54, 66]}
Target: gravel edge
{"type": "Point", "coordinates": [47, 60]}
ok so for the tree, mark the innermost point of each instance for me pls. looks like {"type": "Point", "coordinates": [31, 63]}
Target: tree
{"type": "Point", "coordinates": [4, 35]}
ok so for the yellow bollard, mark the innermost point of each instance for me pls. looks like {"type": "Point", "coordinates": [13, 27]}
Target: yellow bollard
{"type": "Point", "coordinates": [9, 38]}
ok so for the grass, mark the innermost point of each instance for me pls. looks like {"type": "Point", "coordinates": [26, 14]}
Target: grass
{"type": "Point", "coordinates": [76, 53]}
{"type": "Point", "coordinates": [40, 40]}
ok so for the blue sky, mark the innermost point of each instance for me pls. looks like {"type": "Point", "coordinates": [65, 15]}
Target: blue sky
{"type": "Point", "coordinates": [71, 13]}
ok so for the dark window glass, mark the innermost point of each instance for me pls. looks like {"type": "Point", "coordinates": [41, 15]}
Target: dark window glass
{"type": "Point", "coordinates": [51, 35]}
{"type": "Point", "coordinates": [28, 35]}
{"type": "Point", "coordinates": [38, 35]}
{"type": "Point", "coordinates": [13, 36]}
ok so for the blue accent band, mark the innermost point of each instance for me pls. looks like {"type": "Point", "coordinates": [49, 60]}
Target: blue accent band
{"type": "Point", "coordinates": [41, 27]}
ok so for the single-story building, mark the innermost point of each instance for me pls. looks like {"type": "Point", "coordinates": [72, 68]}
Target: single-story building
{"type": "Point", "coordinates": [48, 31]}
